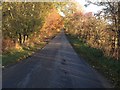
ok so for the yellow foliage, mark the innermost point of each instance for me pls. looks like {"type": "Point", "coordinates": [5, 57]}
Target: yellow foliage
{"type": "Point", "coordinates": [18, 47]}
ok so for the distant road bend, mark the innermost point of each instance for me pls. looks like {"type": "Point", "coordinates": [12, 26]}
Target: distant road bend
{"type": "Point", "coordinates": [55, 66]}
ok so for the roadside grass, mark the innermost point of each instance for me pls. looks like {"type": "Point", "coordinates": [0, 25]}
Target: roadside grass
{"type": "Point", "coordinates": [15, 56]}
{"type": "Point", "coordinates": [107, 66]}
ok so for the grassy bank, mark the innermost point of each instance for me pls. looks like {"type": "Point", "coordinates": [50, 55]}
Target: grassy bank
{"type": "Point", "coordinates": [109, 67]}
{"type": "Point", "coordinates": [15, 56]}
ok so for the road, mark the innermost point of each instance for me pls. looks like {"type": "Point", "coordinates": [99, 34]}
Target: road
{"type": "Point", "coordinates": [55, 66]}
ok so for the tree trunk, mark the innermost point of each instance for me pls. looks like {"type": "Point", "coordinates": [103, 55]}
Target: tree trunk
{"type": "Point", "coordinates": [24, 38]}
{"type": "Point", "coordinates": [20, 38]}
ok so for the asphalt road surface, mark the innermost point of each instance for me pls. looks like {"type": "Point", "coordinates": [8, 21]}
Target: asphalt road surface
{"type": "Point", "coordinates": [55, 66]}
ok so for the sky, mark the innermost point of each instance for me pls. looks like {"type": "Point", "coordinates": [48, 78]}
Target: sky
{"type": "Point", "coordinates": [61, 13]}
{"type": "Point", "coordinates": [89, 8]}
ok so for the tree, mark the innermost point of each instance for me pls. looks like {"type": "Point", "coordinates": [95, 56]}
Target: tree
{"type": "Point", "coordinates": [111, 14]}
{"type": "Point", "coordinates": [53, 24]}
{"type": "Point", "coordinates": [94, 31]}
{"type": "Point", "coordinates": [22, 19]}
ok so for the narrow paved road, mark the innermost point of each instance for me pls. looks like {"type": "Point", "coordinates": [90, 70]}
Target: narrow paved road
{"type": "Point", "coordinates": [55, 66]}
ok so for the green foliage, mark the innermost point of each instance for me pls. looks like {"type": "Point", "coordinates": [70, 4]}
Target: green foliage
{"type": "Point", "coordinates": [24, 26]}
{"type": "Point", "coordinates": [12, 58]}
{"type": "Point", "coordinates": [67, 8]}
{"type": "Point", "coordinates": [20, 18]}
{"type": "Point", "coordinates": [15, 56]}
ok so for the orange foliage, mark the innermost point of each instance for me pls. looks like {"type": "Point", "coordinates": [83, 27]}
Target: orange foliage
{"type": "Point", "coordinates": [52, 24]}
{"type": "Point", "coordinates": [89, 14]}
{"type": "Point", "coordinates": [7, 43]}
{"type": "Point", "coordinates": [53, 21]}
{"type": "Point", "coordinates": [78, 14]}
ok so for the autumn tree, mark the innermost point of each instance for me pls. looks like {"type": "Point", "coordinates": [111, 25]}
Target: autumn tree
{"type": "Point", "coordinates": [21, 20]}
{"type": "Point", "coordinates": [52, 25]}
{"type": "Point", "coordinates": [93, 31]}
{"type": "Point", "coordinates": [111, 14]}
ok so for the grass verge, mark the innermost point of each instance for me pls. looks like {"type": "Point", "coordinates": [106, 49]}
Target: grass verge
{"type": "Point", "coordinates": [109, 67]}
{"type": "Point", "coordinates": [15, 56]}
